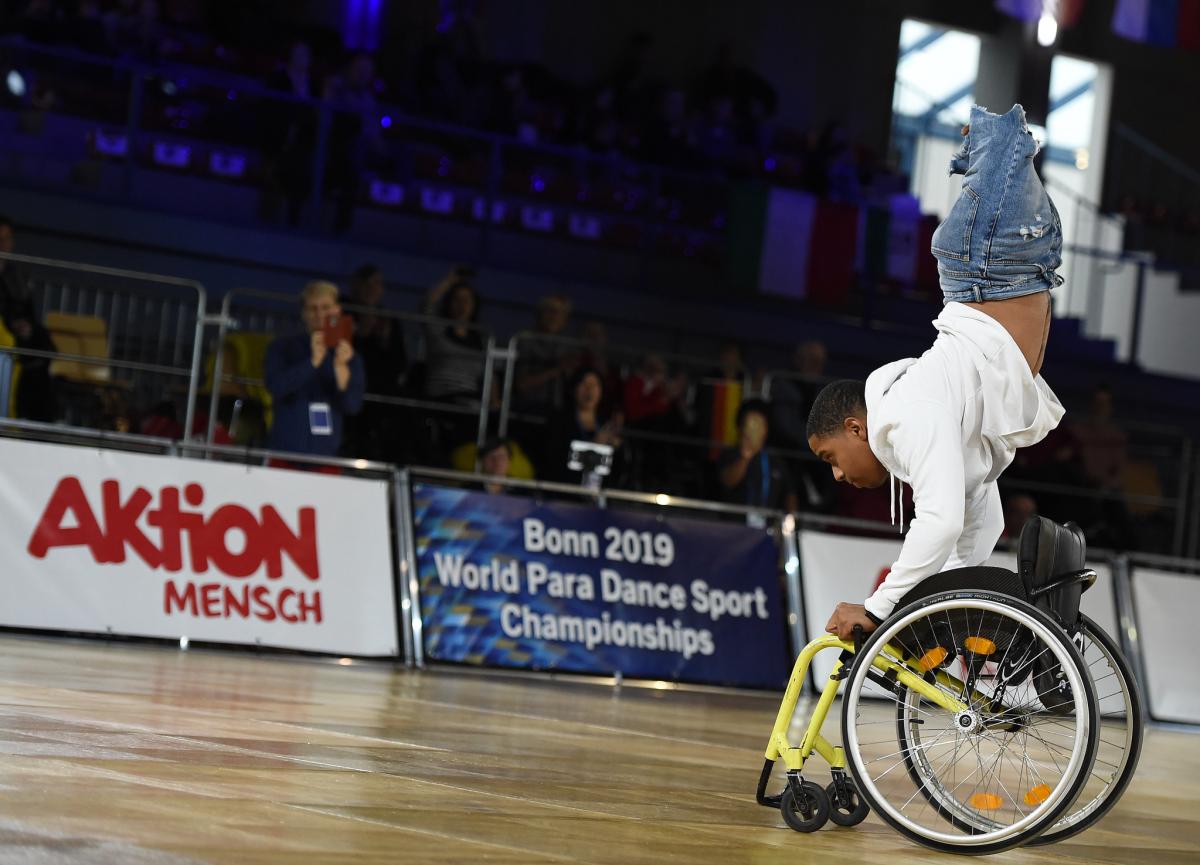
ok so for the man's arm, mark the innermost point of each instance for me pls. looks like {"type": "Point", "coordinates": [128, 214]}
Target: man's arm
{"type": "Point", "coordinates": [928, 445]}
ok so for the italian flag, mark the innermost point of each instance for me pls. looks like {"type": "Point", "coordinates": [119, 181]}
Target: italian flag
{"type": "Point", "coordinates": [790, 243]}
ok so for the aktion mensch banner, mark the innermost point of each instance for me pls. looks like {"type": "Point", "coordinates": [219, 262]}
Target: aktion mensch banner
{"type": "Point", "coordinates": [512, 582]}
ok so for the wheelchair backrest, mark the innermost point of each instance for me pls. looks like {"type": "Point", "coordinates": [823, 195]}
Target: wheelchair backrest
{"type": "Point", "coordinates": [1048, 551]}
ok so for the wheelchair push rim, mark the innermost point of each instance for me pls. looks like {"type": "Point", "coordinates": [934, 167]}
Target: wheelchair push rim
{"type": "Point", "coordinates": [999, 767]}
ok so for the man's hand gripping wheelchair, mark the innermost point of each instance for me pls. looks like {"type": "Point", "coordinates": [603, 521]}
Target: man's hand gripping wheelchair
{"type": "Point", "coordinates": [987, 712]}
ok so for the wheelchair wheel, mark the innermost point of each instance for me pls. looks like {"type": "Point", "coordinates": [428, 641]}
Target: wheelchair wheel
{"type": "Point", "coordinates": [946, 734]}
{"type": "Point", "coordinates": [1120, 732]}
{"type": "Point", "coordinates": [806, 812]}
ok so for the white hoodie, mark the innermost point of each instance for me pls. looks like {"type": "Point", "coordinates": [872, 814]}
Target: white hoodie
{"type": "Point", "coordinates": [948, 423]}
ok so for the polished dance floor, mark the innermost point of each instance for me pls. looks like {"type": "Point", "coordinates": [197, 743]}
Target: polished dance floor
{"type": "Point", "coordinates": [138, 754]}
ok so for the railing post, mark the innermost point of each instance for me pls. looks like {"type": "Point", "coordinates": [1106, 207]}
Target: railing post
{"type": "Point", "coordinates": [1135, 336]}
{"type": "Point", "coordinates": [214, 398]}
{"type": "Point", "coordinates": [797, 626]}
{"type": "Point", "coordinates": [406, 562]}
{"type": "Point", "coordinates": [1127, 620]}
{"type": "Point", "coordinates": [197, 353]}
{"type": "Point", "coordinates": [485, 399]}
{"type": "Point", "coordinates": [510, 372]}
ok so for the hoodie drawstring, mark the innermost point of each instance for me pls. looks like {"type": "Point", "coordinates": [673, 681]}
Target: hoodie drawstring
{"type": "Point", "coordinates": [897, 495]}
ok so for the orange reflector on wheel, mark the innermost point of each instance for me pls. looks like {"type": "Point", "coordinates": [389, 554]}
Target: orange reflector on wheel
{"type": "Point", "coordinates": [986, 801]}
{"type": "Point", "coordinates": [1037, 795]}
{"type": "Point", "coordinates": [979, 645]}
{"type": "Point", "coordinates": [931, 659]}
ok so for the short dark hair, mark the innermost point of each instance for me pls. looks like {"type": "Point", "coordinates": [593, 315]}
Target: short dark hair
{"type": "Point", "coordinates": [4, 220]}
{"type": "Point", "coordinates": [751, 406]}
{"type": "Point", "coordinates": [493, 444]}
{"type": "Point", "coordinates": [837, 401]}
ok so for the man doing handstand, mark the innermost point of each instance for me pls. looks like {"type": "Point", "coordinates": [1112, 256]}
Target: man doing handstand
{"type": "Point", "coordinates": [949, 422]}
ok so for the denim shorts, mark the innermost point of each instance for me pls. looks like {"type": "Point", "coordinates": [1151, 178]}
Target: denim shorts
{"type": "Point", "coordinates": [1003, 237]}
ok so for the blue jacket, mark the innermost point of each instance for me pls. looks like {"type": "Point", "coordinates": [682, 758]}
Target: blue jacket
{"type": "Point", "coordinates": [294, 383]}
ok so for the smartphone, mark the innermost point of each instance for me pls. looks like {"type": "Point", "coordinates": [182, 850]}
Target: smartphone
{"type": "Point", "coordinates": [337, 328]}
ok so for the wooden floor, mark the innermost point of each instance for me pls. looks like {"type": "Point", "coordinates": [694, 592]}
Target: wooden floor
{"type": "Point", "coordinates": [135, 754]}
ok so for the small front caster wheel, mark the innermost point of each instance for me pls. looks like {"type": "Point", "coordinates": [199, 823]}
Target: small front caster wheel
{"type": "Point", "coordinates": [849, 809]}
{"type": "Point", "coordinates": [806, 811]}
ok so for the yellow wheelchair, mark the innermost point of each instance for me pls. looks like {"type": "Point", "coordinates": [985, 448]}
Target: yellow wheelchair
{"type": "Point", "coordinates": [986, 713]}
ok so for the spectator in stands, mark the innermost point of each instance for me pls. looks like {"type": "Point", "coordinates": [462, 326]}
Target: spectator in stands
{"type": "Point", "coordinates": [1103, 445]}
{"type": "Point", "coordinates": [653, 403]}
{"type": "Point", "coordinates": [1104, 456]}
{"type": "Point", "coordinates": [355, 134]}
{"type": "Point", "coordinates": [790, 401]}
{"type": "Point", "coordinates": [313, 386]}
{"type": "Point", "coordinates": [594, 355]}
{"type": "Point", "coordinates": [1018, 508]}
{"type": "Point", "coordinates": [720, 396]}
{"type": "Point", "coordinates": [791, 397]}
{"type": "Point", "coordinates": [746, 473]}
{"type": "Point", "coordinates": [651, 396]}
{"type": "Point", "coordinates": [583, 421]}
{"type": "Point", "coordinates": [379, 341]}
{"type": "Point", "coordinates": [544, 364]}
{"type": "Point", "coordinates": [495, 459]}
{"type": "Point", "coordinates": [35, 392]}
{"type": "Point", "coordinates": [454, 347]}
{"type": "Point", "coordinates": [289, 136]}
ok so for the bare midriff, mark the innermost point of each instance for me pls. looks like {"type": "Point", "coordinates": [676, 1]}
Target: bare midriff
{"type": "Point", "coordinates": [1027, 319]}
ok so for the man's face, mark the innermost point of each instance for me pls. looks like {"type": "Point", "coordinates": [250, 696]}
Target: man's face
{"type": "Point", "coordinates": [588, 393]}
{"type": "Point", "coordinates": [6, 238]}
{"type": "Point", "coordinates": [495, 462]}
{"type": "Point", "coordinates": [851, 458]}
{"type": "Point", "coordinates": [753, 433]}
{"type": "Point", "coordinates": [553, 316]}
{"type": "Point", "coordinates": [317, 309]}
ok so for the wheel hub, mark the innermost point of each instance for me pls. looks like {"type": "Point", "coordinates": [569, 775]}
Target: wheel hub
{"type": "Point", "coordinates": [968, 722]}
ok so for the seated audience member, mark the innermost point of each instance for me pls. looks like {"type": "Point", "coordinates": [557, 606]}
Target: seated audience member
{"type": "Point", "coordinates": [1103, 445]}
{"type": "Point", "coordinates": [518, 464]}
{"type": "Point", "coordinates": [651, 398]}
{"type": "Point", "coordinates": [454, 348]}
{"type": "Point", "coordinates": [35, 394]}
{"type": "Point", "coordinates": [791, 398]}
{"type": "Point", "coordinates": [313, 385]}
{"type": "Point", "coordinates": [544, 364]}
{"type": "Point", "coordinates": [653, 405]}
{"type": "Point", "coordinates": [746, 473]}
{"type": "Point", "coordinates": [720, 395]}
{"type": "Point", "coordinates": [595, 355]}
{"type": "Point", "coordinates": [379, 341]}
{"type": "Point", "coordinates": [1018, 508]}
{"type": "Point", "coordinates": [583, 421]}
{"type": "Point", "coordinates": [495, 459]}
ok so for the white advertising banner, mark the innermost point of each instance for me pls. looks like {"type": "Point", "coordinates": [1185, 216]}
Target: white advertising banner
{"type": "Point", "coordinates": [836, 568]}
{"type": "Point", "coordinates": [1166, 605]}
{"type": "Point", "coordinates": [111, 542]}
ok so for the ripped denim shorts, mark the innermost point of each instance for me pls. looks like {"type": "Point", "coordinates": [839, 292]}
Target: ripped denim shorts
{"type": "Point", "coordinates": [1003, 237]}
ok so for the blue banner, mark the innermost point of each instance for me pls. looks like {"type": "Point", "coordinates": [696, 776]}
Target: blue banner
{"type": "Point", "coordinates": [510, 581]}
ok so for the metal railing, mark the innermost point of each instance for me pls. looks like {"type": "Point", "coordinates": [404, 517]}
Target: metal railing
{"type": "Point", "coordinates": [122, 277]}
{"type": "Point", "coordinates": [279, 313]}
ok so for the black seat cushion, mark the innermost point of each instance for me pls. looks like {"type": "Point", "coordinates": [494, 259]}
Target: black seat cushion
{"type": "Point", "coordinates": [1048, 551]}
{"type": "Point", "coordinates": [947, 634]}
